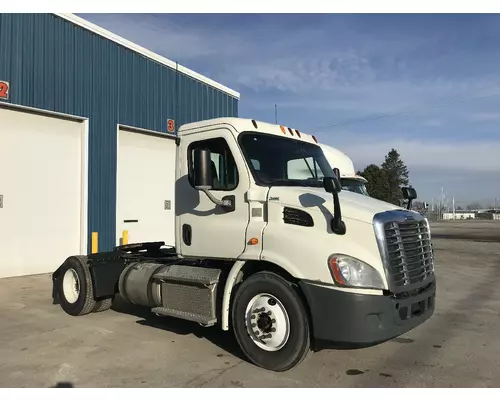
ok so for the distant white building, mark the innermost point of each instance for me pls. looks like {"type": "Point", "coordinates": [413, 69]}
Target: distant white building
{"type": "Point", "coordinates": [460, 214]}
{"type": "Point", "coordinates": [489, 214]}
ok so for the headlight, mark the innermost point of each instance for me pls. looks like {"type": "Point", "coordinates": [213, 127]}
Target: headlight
{"type": "Point", "coordinates": [351, 272]}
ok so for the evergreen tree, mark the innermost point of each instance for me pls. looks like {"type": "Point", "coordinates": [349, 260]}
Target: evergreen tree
{"type": "Point", "coordinates": [396, 174]}
{"type": "Point", "coordinates": [377, 181]}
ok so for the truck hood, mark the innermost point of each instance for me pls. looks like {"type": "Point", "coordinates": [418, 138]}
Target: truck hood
{"type": "Point", "coordinates": [353, 205]}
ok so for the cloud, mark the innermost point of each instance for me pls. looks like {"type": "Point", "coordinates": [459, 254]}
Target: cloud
{"type": "Point", "coordinates": [434, 77]}
{"type": "Point", "coordinates": [432, 123]}
{"type": "Point", "coordinates": [467, 171]}
{"type": "Point", "coordinates": [332, 57]}
{"type": "Point", "coordinates": [462, 156]}
{"type": "Point", "coordinates": [161, 34]}
{"type": "Point", "coordinates": [484, 117]}
{"type": "Point", "coordinates": [267, 56]}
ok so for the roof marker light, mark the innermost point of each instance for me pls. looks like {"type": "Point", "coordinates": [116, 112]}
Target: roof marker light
{"type": "Point", "coordinates": [283, 129]}
{"type": "Point", "coordinates": [316, 140]}
{"type": "Point", "coordinates": [290, 130]}
{"type": "Point", "coordinates": [297, 132]}
{"type": "Point", "coordinates": [254, 123]}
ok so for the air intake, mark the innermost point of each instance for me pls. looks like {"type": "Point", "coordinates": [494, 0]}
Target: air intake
{"type": "Point", "coordinates": [297, 217]}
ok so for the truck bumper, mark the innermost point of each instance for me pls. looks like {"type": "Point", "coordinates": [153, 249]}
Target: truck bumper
{"type": "Point", "coordinates": [358, 319]}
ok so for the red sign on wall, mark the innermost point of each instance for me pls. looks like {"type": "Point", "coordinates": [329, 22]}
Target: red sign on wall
{"type": "Point", "coordinates": [171, 125]}
{"type": "Point", "coordinates": [4, 90]}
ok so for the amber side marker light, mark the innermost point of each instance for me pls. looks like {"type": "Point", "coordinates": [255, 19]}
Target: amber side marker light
{"type": "Point", "coordinates": [283, 129]}
{"type": "Point", "coordinates": [253, 241]}
{"type": "Point", "coordinates": [334, 268]}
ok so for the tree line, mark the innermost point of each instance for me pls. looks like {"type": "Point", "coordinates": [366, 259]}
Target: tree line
{"type": "Point", "coordinates": [385, 181]}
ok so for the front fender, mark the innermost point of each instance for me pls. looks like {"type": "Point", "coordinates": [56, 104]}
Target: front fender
{"type": "Point", "coordinates": [233, 277]}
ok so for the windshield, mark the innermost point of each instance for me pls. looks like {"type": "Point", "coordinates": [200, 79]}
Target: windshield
{"type": "Point", "coordinates": [353, 185]}
{"type": "Point", "coordinates": [282, 161]}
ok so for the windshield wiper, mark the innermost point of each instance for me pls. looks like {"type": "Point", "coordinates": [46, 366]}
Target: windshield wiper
{"type": "Point", "coordinates": [313, 182]}
{"type": "Point", "coordinates": [293, 182]}
{"type": "Point", "coordinates": [284, 182]}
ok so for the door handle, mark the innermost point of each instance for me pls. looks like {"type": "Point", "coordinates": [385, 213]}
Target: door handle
{"type": "Point", "coordinates": [186, 234]}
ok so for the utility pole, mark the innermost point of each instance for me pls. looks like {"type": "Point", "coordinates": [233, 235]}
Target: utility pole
{"type": "Point", "coordinates": [441, 204]}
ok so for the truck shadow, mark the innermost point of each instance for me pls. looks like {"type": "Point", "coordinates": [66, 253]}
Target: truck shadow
{"type": "Point", "coordinates": [222, 339]}
{"type": "Point", "coordinates": [63, 385]}
{"type": "Point", "coordinates": [309, 200]}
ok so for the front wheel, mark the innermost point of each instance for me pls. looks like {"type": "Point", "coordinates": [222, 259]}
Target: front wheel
{"type": "Point", "coordinates": [270, 322]}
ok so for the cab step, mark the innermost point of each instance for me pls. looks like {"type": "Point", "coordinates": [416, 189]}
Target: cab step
{"type": "Point", "coordinates": [189, 316]}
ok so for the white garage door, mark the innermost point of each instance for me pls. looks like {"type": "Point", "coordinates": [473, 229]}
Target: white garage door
{"type": "Point", "coordinates": [41, 191]}
{"type": "Point", "coordinates": [145, 187]}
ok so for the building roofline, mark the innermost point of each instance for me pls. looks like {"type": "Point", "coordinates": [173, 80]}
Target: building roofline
{"type": "Point", "coordinates": [145, 52]}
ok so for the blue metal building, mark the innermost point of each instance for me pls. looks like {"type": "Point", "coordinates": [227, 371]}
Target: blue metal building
{"type": "Point", "coordinates": [64, 64]}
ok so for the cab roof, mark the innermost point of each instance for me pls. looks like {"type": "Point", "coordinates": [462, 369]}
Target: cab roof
{"type": "Point", "coordinates": [240, 125]}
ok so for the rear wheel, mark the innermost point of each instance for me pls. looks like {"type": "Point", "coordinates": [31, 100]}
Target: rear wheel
{"type": "Point", "coordinates": [74, 287]}
{"type": "Point", "coordinates": [270, 322]}
{"type": "Point", "coordinates": [103, 305]}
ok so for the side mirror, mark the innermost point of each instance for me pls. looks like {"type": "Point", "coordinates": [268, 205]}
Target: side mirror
{"type": "Point", "coordinates": [332, 185]}
{"type": "Point", "coordinates": [203, 179]}
{"type": "Point", "coordinates": [336, 172]}
{"type": "Point", "coordinates": [202, 169]}
{"type": "Point", "coordinates": [409, 193]}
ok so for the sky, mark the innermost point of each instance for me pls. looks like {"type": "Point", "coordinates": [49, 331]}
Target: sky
{"type": "Point", "coordinates": [435, 78]}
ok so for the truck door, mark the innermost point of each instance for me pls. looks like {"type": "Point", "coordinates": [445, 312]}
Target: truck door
{"type": "Point", "coordinates": [205, 229]}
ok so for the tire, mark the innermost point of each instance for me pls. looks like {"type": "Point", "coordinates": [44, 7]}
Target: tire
{"type": "Point", "coordinates": [74, 287]}
{"type": "Point", "coordinates": [103, 305]}
{"type": "Point", "coordinates": [289, 349]}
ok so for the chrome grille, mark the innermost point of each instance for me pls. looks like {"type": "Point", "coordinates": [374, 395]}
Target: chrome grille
{"type": "Point", "coordinates": [409, 251]}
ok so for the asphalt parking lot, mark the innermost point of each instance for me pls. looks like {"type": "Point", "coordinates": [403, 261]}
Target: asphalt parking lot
{"type": "Point", "coordinates": [41, 346]}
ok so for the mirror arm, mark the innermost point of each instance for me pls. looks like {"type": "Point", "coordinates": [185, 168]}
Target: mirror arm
{"type": "Point", "coordinates": [213, 199]}
{"type": "Point", "coordinates": [409, 204]}
{"type": "Point", "coordinates": [337, 225]}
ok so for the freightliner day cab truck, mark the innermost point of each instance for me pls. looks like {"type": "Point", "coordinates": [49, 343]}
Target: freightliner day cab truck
{"type": "Point", "coordinates": [288, 264]}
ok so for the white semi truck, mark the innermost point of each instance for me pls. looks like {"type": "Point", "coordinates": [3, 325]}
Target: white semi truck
{"type": "Point", "coordinates": [349, 180]}
{"type": "Point", "coordinates": [288, 264]}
